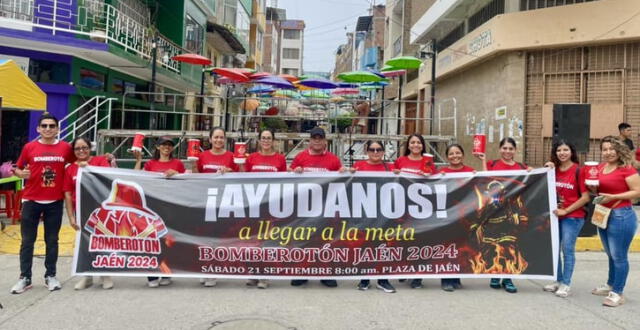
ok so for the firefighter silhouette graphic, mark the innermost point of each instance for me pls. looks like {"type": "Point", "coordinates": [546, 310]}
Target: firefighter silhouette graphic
{"type": "Point", "coordinates": [48, 177]}
{"type": "Point", "coordinates": [125, 213]}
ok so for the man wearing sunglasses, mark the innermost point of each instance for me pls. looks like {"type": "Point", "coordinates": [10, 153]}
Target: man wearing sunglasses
{"type": "Point", "coordinates": [42, 163]}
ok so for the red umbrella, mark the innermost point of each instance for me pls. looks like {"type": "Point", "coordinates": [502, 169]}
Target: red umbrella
{"type": "Point", "coordinates": [288, 77]}
{"type": "Point", "coordinates": [231, 73]}
{"type": "Point", "coordinates": [259, 75]}
{"type": "Point", "coordinates": [192, 59]}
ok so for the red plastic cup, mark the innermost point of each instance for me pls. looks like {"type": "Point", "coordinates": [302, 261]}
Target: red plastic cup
{"type": "Point", "coordinates": [138, 142]}
{"type": "Point", "coordinates": [193, 149]}
{"type": "Point", "coordinates": [239, 152]}
{"type": "Point", "coordinates": [591, 173]}
{"type": "Point", "coordinates": [479, 144]}
{"type": "Point", "coordinates": [428, 163]}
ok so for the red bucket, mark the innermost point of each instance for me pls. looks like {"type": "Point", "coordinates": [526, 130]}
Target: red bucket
{"type": "Point", "coordinates": [138, 142]}
{"type": "Point", "coordinates": [428, 163]}
{"type": "Point", "coordinates": [591, 173]}
{"type": "Point", "coordinates": [193, 149]}
{"type": "Point", "coordinates": [479, 144]}
{"type": "Point", "coordinates": [239, 152]}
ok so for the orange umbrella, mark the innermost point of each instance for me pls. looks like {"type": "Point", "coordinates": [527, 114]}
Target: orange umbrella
{"type": "Point", "coordinates": [250, 104]}
{"type": "Point", "coordinates": [259, 75]}
{"type": "Point", "coordinates": [192, 59]}
{"type": "Point", "coordinates": [288, 77]}
{"type": "Point", "coordinates": [232, 73]}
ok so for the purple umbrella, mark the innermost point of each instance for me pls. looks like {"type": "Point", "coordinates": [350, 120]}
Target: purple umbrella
{"type": "Point", "coordinates": [320, 83]}
{"type": "Point", "coordinates": [275, 82]}
{"type": "Point", "coordinates": [347, 85]}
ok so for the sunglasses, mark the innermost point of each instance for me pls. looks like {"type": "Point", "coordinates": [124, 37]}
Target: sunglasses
{"type": "Point", "coordinates": [375, 149]}
{"type": "Point", "coordinates": [81, 149]}
{"type": "Point", "coordinates": [50, 126]}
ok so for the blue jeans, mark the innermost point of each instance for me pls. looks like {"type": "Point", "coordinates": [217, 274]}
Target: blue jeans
{"type": "Point", "coordinates": [569, 230]}
{"type": "Point", "coordinates": [616, 240]}
{"type": "Point", "coordinates": [52, 218]}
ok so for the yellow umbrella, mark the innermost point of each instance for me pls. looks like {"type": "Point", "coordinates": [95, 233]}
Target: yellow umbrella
{"type": "Point", "coordinates": [250, 104]}
{"type": "Point", "coordinates": [18, 91]}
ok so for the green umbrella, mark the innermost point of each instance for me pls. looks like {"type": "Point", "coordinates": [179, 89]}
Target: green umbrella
{"type": "Point", "coordinates": [308, 76]}
{"type": "Point", "coordinates": [315, 94]}
{"type": "Point", "coordinates": [389, 68]}
{"type": "Point", "coordinates": [287, 93]}
{"type": "Point", "coordinates": [359, 77]}
{"type": "Point", "coordinates": [404, 62]}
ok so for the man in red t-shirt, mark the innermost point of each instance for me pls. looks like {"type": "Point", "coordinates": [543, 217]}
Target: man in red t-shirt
{"type": "Point", "coordinates": [316, 159]}
{"type": "Point", "coordinates": [42, 163]}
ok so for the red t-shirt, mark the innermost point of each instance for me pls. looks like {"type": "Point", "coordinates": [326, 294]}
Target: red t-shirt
{"type": "Point", "coordinates": [414, 166]}
{"type": "Point", "coordinates": [46, 163]}
{"type": "Point", "coordinates": [570, 190]}
{"type": "Point", "coordinates": [499, 165]}
{"type": "Point", "coordinates": [71, 172]}
{"type": "Point", "coordinates": [464, 168]}
{"type": "Point", "coordinates": [324, 162]}
{"type": "Point", "coordinates": [208, 162]}
{"type": "Point", "coordinates": [363, 165]}
{"type": "Point", "coordinates": [615, 183]}
{"type": "Point", "coordinates": [257, 162]}
{"type": "Point", "coordinates": [158, 166]}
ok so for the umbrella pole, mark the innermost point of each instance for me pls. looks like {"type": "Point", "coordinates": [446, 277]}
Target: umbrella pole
{"type": "Point", "coordinates": [399, 106]}
{"type": "Point", "coordinates": [226, 110]}
{"type": "Point", "coordinates": [382, 110]}
{"type": "Point", "coordinates": [199, 119]}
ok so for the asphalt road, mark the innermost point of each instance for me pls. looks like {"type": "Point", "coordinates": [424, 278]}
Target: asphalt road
{"type": "Point", "coordinates": [232, 305]}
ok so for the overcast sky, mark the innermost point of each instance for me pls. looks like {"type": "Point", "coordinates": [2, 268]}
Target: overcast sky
{"type": "Point", "coordinates": [325, 22]}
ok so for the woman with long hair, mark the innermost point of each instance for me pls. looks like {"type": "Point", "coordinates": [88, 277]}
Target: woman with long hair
{"type": "Point", "coordinates": [619, 183]}
{"type": "Point", "coordinates": [163, 162]}
{"type": "Point", "coordinates": [375, 163]}
{"type": "Point", "coordinates": [455, 157]}
{"type": "Point", "coordinates": [572, 196]}
{"type": "Point", "coordinates": [413, 159]}
{"type": "Point", "coordinates": [266, 159]}
{"type": "Point", "coordinates": [217, 159]}
{"type": "Point", "coordinates": [82, 150]}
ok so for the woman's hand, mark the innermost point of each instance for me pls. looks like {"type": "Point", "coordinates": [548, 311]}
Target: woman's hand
{"type": "Point", "coordinates": [223, 170]}
{"type": "Point", "coordinates": [481, 156]}
{"type": "Point", "coordinates": [169, 173]}
{"type": "Point", "coordinates": [298, 170]}
{"type": "Point", "coordinates": [396, 171]}
{"type": "Point", "coordinates": [529, 169]}
{"type": "Point", "coordinates": [82, 164]}
{"type": "Point", "coordinates": [72, 222]}
{"type": "Point", "coordinates": [342, 169]}
{"type": "Point", "coordinates": [550, 165]}
{"type": "Point", "coordinates": [560, 212]}
{"type": "Point", "coordinates": [352, 170]}
{"type": "Point", "coordinates": [137, 154]}
{"type": "Point", "coordinates": [608, 198]}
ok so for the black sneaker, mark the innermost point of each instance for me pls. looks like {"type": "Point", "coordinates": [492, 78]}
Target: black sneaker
{"type": "Point", "coordinates": [298, 282]}
{"type": "Point", "coordinates": [385, 286]}
{"type": "Point", "coordinates": [363, 285]}
{"type": "Point", "coordinates": [495, 283]}
{"type": "Point", "coordinates": [329, 283]}
{"type": "Point", "coordinates": [508, 286]}
{"type": "Point", "coordinates": [456, 283]}
{"type": "Point", "coordinates": [416, 283]}
{"type": "Point", "coordinates": [447, 285]}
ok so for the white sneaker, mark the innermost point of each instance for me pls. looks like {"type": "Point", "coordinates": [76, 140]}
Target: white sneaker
{"type": "Point", "coordinates": [613, 300]}
{"type": "Point", "coordinates": [164, 281]}
{"type": "Point", "coordinates": [52, 283]}
{"type": "Point", "coordinates": [252, 282]}
{"type": "Point", "coordinates": [23, 285]}
{"type": "Point", "coordinates": [210, 282]}
{"type": "Point", "coordinates": [602, 290]}
{"type": "Point", "coordinates": [107, 282]}
{"type": "Point", "coordinates": [553, 287]}
{"type": "Point", "coordinates": [262, 284]}
{"type": "Point", "coordinates": [153, 283]}
{"type": "Point", "coordinates": [563, 291]}
{"type": "Point", "coordinates": [84, 283]}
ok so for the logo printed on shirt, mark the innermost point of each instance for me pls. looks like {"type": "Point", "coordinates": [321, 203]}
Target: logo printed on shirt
{"type": "Point", "coordinates": [565, 185]}
{"type": "Point", "coordinates": [48, 159]}
{"type": "Point", "coordinates": [266, 168]}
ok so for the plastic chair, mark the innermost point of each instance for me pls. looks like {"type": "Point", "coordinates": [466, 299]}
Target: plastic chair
{"type": "Point", "coordinates": [17, 207]}
{"type": "Point", "coordinates": [8, 202]}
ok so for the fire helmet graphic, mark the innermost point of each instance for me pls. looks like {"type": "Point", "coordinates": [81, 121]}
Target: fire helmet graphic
{"type": "Point", "coordinates": [124, 213]}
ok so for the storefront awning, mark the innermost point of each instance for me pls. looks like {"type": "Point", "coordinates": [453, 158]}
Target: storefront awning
{"type": "Point", "coordinates": [18, 92]}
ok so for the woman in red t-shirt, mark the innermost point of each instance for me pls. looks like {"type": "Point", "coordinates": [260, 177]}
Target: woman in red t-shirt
{"type": "Point", "coordinates": [217, 159]}
{"type": "Point", "coordinates": [413, 160]}
{"type": "Point", "coordinates": [572, 196]}
{"type": "Point", "coordinates": [266, 159]}
{"type": "Point", "coordinates": [374, 163]}
{"type": "Point", "coordinates": [455, 157]}
{"type": "Point", "coordinates": [162, 162]}
{"type": "Point", "coordinates": [619, 183]}
{"type": "Point", "coordinates": [505, 163]}
{"type": "Point", "coordinates": [82, 150]}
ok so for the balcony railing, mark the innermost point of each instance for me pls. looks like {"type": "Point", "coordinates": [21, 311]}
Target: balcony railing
{"type": "Point", "coordinates": [94, 19]}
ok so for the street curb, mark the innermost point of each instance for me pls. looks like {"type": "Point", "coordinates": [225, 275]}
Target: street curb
{"type": "Point", "coordinates": [594, 244]}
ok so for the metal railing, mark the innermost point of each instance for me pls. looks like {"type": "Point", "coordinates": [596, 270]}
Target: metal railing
{"type": "Point", "coordinates": [85, 119]}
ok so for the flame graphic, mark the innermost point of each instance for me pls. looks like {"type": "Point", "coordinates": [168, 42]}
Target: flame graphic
{"type": "Point", "coordinates": [506, 261]}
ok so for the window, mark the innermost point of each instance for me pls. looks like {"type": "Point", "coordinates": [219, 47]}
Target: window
{"type": "Point", "coordinates": [291, 34]}
{"type": "Point", "coordinates": [259, 36]}
{"type": "Point", "coordinates": [243, 24]}
{"type": "Point", "coordinates": [538, 4]}
{"type": "Point", "coordinates": [91, 79]}
{"type": "Point", "coordinates": [48, 71]}
{"type": "Point", "coordinates": [291, 53]}
{"type": "Point", "coordinates": [194, 35]}
{"type": "Point", "coordinates": [487, 12]}
{"type": "Point", "coordinates": [230, 8]}
{"type": "Point", "coordinates": [293, 72]}
{"type": "Point", "coordinates": [117, 86]}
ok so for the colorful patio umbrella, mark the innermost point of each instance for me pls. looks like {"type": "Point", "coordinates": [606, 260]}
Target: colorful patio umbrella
{"type": "Point", "coordinates": [232, 73]}
{"type": "Point", "coordinates": [287, 93]}
{"type": "Point", "coordinates": [376, 72]}
{"type": "Point", "coordinates": [259, 75]}
{"type": "Point", "coordinates": [320, 83]}
{"type": "Point", "coordinates": [192, 59]}
{"type": "Point", "coordinates": [308, 76]}
{"type": "Point", "coordinates": [260, 89]}
{"type": "Point", "coordinates": [394, 73]}
{"type": "Point", "coordinates": [358, 77]}
{"type": "Point", "coordinates": [389, 68]}
{"type": "Point", "coordinates": [315, 94]}
{"type": "Point", "coordinates": [275, 81]}
{"type": "Point", "coordinates": [250, 104]}
{"type": "Point", "coordinates": [345, 91]}
{"type": "Point", "coordinates": [288, 77]}
{"type": "Point", "coordinates": [404, 62]}
{"type": "Point", "coordinates": [347, 85]}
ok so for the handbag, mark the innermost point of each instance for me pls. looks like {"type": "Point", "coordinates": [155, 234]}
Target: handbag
{"type": "Point", "coordinates": [600, 216]}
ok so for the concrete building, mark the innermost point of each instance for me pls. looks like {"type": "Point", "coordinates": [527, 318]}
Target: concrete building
{"type": "Point", "coordinates": [271, 42]}
{"type": "Point", "coordinates": [256, 35]}
{"type": "Point", "coordinates": [291, 46]}
{"type": "Point", "coordinates": [505, 63]}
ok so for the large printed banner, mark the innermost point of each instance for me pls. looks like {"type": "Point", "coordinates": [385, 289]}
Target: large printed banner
{"type": "Point", "coordinates": [324, 225]}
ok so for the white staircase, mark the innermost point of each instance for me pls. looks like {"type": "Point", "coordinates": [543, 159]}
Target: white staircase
{"type": "Point", "coordinates": [85, 120]}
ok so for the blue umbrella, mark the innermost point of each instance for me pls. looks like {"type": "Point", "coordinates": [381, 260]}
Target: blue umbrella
{"type": "Point", "coordinates": [275, 82]}
{"type": "Point", "coordinates": [347, 85]}
{"type": "Point", "coordinates": [260, 89]}
{"type": "Point", "coordinates": [320, 83]}
{"type": "Point", "coordinates": [377, 73]}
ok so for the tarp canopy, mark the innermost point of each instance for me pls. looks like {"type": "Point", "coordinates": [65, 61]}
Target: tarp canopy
{"type": "Point", "coordinates": [18, 91]}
